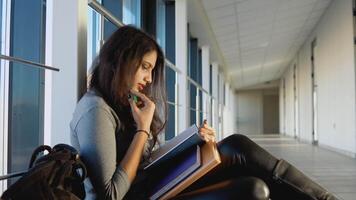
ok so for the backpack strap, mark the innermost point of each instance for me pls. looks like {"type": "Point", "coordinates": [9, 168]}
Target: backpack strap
{"type": "Point", "coordinates": [37, 151]}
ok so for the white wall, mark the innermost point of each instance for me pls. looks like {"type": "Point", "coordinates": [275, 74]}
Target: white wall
{"type": "Point", "coordinates": [289, 97]}
{"type": "Point", "coordinates": [335, 77]}
{"type": "Point", "coordinates": [229, 114]}
{"type": "Point", "coordinates": [249, 112]}
{"type": "Point", "coordinates": [281, 107]}
{"type": "Point", "coordinates": [65, 49]}
{"type": "Point", "coordinates": [305, 93]}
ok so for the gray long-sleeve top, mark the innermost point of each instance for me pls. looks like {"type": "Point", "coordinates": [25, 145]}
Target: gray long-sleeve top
{"type": "Point", "coordinates": [93, 132]}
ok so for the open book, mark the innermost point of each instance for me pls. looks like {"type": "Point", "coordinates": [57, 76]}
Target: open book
{"type": "Point", "coordinates": [171, 173]}
{"type": "Point", "coordinates": [210, 158]}
{"type": "Point", "coordinates": [188, 138]}
{"type": "Point", "coordinates": [180, 162]}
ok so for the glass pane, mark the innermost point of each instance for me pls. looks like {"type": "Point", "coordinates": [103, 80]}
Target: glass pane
{"type": "Point", "coordinates": [170, 32]}
{"type": "Point", "coordinates": [170, 129]}
{"type": "Point", "coordinates": [193, 59]}
{"type": "Point", "coordinates": [170, 84]}
{"type": "Point", "coordinates": [192, 96]}
{"type": "Point", "coordinates": [192, 117]}
{"type": "Point", "coordinates": [109, 29]}
{"type": "Point", "coordinates": [200, 100]}
{"type": "Point", "coordinates": [94, 36]}
{"type": "Point", "coordinates": [201, 117]}
{"type": "Point", "coordinates": [132, 12]}
{"type": "Point", "coordinates": [210, 79]}
{"type": "Point", "coordinates": [161, 24]}
{"type": "Point", "coordinates": [200, 70]}
{"type": "Point", "coordinates": [26, 83]}
{"type": "Point", "coordinates": [115, 7]}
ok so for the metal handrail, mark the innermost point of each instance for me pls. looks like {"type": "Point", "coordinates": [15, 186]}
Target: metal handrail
{"type": "Point", "coordinates": [12, 175]}
{"type": "Point", "coordinates": [103, 11]}
{"type": "Point", "coordinates": [30, 63]}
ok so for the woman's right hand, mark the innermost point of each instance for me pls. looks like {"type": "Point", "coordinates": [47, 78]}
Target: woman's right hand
{"type": "Point", "coordinates": [143, 115]}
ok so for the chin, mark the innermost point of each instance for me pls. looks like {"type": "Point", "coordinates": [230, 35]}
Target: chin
{"type": "Point", "coordinates": [135, 89]}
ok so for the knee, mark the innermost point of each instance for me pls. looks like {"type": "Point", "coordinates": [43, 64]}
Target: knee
{"type": "Point", "coordinates": [256, 188]}
{"type": "Point", "coordinates": [236, 143]}
{"type": "Point", "coordinates": [241, 140]}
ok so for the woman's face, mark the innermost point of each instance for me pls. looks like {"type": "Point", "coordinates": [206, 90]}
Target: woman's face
{"type": "Point", "coordinates": [143, 75]}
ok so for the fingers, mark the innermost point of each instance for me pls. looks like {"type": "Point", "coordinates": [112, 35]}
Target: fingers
{"type": "Point", "coordinates": [208, 127]}
{"type": "Point", "coordinates": [207, 131]}
{"type": "Point", "coordinates": [207, 138]}
{"type": "Point", "coordinates": [133, 105]}
{"type": "Point", "coordinates": [142, 96]}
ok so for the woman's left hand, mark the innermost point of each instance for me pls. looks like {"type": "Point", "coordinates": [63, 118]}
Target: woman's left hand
{"type": "Point", "coordinates": [207, 132]}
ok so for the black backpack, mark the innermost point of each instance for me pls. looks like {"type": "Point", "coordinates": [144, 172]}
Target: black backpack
{"type": "Point", "coordinates": [58, 175]}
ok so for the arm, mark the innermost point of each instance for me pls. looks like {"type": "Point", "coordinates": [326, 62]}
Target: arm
{"type": "Point", "coordinates": [96, 136]}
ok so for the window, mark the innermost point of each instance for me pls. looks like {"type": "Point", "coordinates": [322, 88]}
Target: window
{"type": "Point", "coordinates": [26, 92]}
{"type": "Point", "coordinates": [170, 31]}
{"type": "Point", "coordinates": [193, 105]}
{"type": "Point", "coordinates": [132, 12]}
{"type": "Point", "coordinates": [149, 16]}
{"type": "Point", "coordinates": [161, 24]}
{"type": "Point", "coordinates": [170, 85]}
{"type": "Point", "coordinates": [166, 38]}
{"type": "Point", "coordinates": [94, 37]}
{"type": "Point", "coordinates": [210, 79]}
{"type": "Point", "coordinates": [193, 59]}
{"type": "Point", "coordinates": [156, 17]}
{"type": "Point", "coordinates": [115, 7]}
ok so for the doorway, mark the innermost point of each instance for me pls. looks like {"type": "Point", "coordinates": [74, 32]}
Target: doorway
{"type": "Point", "coordinates": [314, 96]}
{"type": "Point", "coordinates": [270, 114]}
{"type": "Point", "coordinates": [296, 110]}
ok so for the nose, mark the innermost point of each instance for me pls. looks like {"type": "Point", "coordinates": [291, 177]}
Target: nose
{"type": "Point", "coordinates": [148, 78]}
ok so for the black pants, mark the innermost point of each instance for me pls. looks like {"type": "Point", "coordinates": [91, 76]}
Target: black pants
{"type": "Point", "coordinates": [247, 172]}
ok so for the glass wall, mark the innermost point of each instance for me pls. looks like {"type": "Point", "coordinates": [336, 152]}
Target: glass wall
{"type": "Point", "coordinates": [161, 24]}
{"type": "Point", "coordinates": [26, 92]}
{"type": "Point", "coordinates": [157, 17]}
{"type": "Point", "coordinates": [132, 12]}
{"type": "Point", "coordinates": [94, 37]}
{"type": "Point", "coordinates": [115, 8]}
{"type": "Point", "coordinates": [195, 90]}
{"type": "Point", "coordinates": [166, 38]}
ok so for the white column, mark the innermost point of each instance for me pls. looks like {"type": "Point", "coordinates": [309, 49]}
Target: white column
{"type": "Point", "coordinates": [215, 102]}
{"type": "Point", "coordinates": [66, 49]}
{"type": "Point", "coordinates": [205, 78]}
{"type": "Point", "coordinates": [181, 62]}
{"type": "Point", "coordinates": [221, 104]}
{"type": "Point", "coordinates": [227, 113]}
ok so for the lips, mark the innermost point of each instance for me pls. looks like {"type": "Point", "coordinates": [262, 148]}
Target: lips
{"type": "Point", "coordinates": [140, 86]}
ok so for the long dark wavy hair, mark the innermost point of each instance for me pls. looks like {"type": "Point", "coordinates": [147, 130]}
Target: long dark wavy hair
{"type": "Point", "coordinates": [119, 59]}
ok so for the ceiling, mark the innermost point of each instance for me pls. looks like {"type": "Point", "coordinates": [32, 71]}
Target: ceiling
{"type": "Point", "coordinates": [253, 40]}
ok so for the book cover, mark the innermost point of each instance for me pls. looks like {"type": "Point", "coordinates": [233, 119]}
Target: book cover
{"type": "Point", "coordinates": [172, 174]}
{"type": "Point", "coordinates": [210, 158]}
{"type": "Point", "coordinates": [188, 138]}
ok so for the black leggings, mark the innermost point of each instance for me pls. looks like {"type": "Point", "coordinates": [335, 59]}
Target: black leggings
{"type": "Point", "coordinates": [247, 172]}
{"type": "Point", "coordinates": [244, 165]}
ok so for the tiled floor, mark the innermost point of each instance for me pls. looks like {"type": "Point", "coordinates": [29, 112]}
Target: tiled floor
{"type": "Point", "coordinates": [334, 171]}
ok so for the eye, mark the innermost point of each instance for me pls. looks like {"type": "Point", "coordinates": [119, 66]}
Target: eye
{"type": "Point", "coordinates": [145, 66]}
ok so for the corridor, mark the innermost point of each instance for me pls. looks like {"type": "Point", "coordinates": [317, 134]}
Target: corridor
{"type": "Point", "coordinates": [332, 170]}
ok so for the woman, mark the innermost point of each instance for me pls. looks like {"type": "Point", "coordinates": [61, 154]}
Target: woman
{"type": "Point", "coordinates": [115, 134]}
